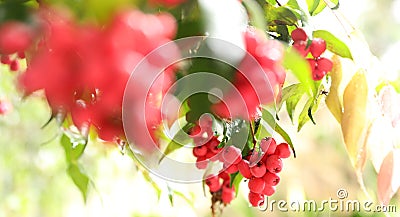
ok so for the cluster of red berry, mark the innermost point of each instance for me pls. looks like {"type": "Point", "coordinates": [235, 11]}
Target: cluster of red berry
{"type": "Point", "coordinates": [74, 63]}
{"type": "Point", "coordinates": [261, 167]}
{"type": "Point", "coordinates": [15, 39]}
{"type": "Point", "coordinates": [320, 66]}
{"type": "Point", "coordinates": [259, 78]}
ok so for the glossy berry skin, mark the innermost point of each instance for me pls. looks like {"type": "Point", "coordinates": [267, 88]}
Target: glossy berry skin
{"type": "Point", "coordinates": [201, 163]}
{"type": "Point", "coordinates": [324, 64]}
{"type": "Point", "coordinates": [14, 66]}
{"type": "Point", "coordinates": [200, 151]}
{"type": "Point", "coordinates": [256, 199]}
{"type": "Point", "coordinates": [212, 181]}
{"type": "Point", "coordinates": [317, 47]}
{"type": "Point", "coordinates": [256, 185]}
{"type": "Point", "coordinates": [244, 169]}
{"type": "Point", "coordinates": [274, 164]}
{"type": "Point", "coordinates": [231, 168]}
{"type": "Point", "coordinates": [283, 150]}
{"type": "Point", "coordinates": [258, 170]}
{"type": "Point", "coordinates": [228, 194]}
{"type": "Point", "coordinates": [299, 35]}
{"type": "Point", "coordinates": [301, 47]}
{"type": "Point", "coordinates": [318, 74]}
{"type": "Point", "coordinates": [271, 179]}
{"type": "Point", "coordinates": [14, 37]}
{"type": "Point", "coordinates": [268, 190]}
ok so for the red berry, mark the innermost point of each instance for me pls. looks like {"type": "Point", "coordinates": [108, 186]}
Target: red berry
{"type": "Point", "coordinates": [228, 194]}
{"type": "Point", "coordinates": [324, 64]}
{"type": "Point", "coordinates": [231, 155]}
{"type": "Point", "coordinates": [268, 145]}
{"type": "Point", "coordinates": [301, 47]}
{"type": "Point", "coordinates": [5, 59]}
{"type": "Point", "coordinates": [14, 37]}
{"type": "Point", "coordinates": [268, 190]}
{"type": "Point", "coordinates": [256, 199]}
{"type": "Point", "coordinates": [14, 66]}
{"type": "Point", "coordinates": [317, 47]}
{"type": "Point", "coordinates": [230, 168]}
{"type": "Point", "coordinates": [213, 145]}
{"type": "Point", "coordinates": [256, 185]}
{"type": "Point", "coordinates": [299, 35]}
{"type": "Point", "coordinates": [318, 74]}
{"type": "Point", "coordinates": [201, 163]}
{"type": "Point", "coordinates": [255, 158]}
{"type": "Point", "coordinates": [271, 179]}
{"type": "Point", "coordinates": [244, 169]}
{"type": "Point", "coordinates": [283, 150]}
{"type": "Point", "coordinates": [21, 55]}
{"type": "Point", "coordinates": [274, 164]}
{"type": "Point", "coordinates": [313, 63]}
{"type": "Point", "coordinates": [212, 181]}
{"type": "Point", "coordinates": [200, 151]}
{"type": "Point", "coordinates": [258, 170]}
{"type": "Point", "coordinates": [225, 176]}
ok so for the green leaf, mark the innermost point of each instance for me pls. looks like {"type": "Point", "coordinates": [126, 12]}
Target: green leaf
{"type": "Point", "coordinates": [180, 136]}
{"type": "Point", "coordinates": [294, 62]}
{"type": "Point", "coordinates": [312, 5]}
{"type": "Point", "coordinates": [256, 14]}
{"type": "Point", "coordinates": [236, 178]}
{"type": "Point", "coordinates": [307, 113]}
{"type": "Point", "coordinates": [79, 178]}
{"type": "Point", "coordinates": [72, 151]}
{"type": "Point", "coordinates": [280, 16]}
{"type": "Point", "coordinates": [291, 95]}
{"type": "Point", "coordinates": [148, 178]}
{"type": "Point", "coordinates": [269, 118]}
{"type": "Point", "coordinates": [322, 5]}
{"type": "Point", "coordinates": [333, 44]}
{"type": "Point", "coordinates": [293, 4]}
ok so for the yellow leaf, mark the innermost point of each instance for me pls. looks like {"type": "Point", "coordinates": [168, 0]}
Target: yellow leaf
{"type": "Point", "coordinates": [332, 100]}
{"type": "Point", "coordinates": [354, 118]}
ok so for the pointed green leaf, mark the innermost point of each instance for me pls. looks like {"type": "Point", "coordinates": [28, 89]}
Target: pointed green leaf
{"type": "Point", "coordinates": [269, 118]}
{"type": "Point", "coordinates": [236, 178]}
{"type": "Point", "coordinates": [322, 5]}
{"type": "Point", "coordinates": [291, 95]}
{"type": "Point", "coordinates": [301, 69]}
{"type": "Point", "coordinates": [72, 151]}
{"type": "Point", "coordinates": [79, 178]}
{"type": "Point", "coordinates": [181, 136]}
{"type": "Point", "coordinates": [312, 5]}
{"type": "Point", "coordinates": [333, 44]}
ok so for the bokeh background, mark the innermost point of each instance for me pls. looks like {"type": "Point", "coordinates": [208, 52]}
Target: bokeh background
{"type": "Point", "coordinates": [34, 182]}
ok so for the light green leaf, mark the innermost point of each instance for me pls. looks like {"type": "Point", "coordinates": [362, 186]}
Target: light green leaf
{"type": "Point", "coordinates": [256, 14]}
{"type": "Point", "coordinates": [72, 151]}
{"type": "Point", "coordinates": [173, 144]}
{"type": "Point", "coordinates": [333, 44]}
{"type": "Point", "coordinates": [291, 95]}
{"type": "Point", "coordinates": [269, 118]}
{"type": "Point", "coordinates": [312, 5]}
{"type": "Point", "coordinates": [301, 69]}
{"type": "Point", "coordinates": [317, 6]}
{"type": "Point", "coordinates": [236, 178]}
{"type": "Point", "coordinates": [79, 178]}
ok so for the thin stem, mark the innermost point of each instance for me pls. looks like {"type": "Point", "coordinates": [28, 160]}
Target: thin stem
{"type": "Point", "coordinates": [279, 4]}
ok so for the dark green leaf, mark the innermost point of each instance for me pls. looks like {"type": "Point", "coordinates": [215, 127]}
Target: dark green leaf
{"type": "Point", "coordinates": [333, 44]}
{"type": "Point", "coordinates": [301, 69]}
{"type": "Point", "coordinates": [280, 16]}
{"type": "Point", "coordinates": [270, 120]}
{"type": "Point", "coordinates": [79, 179]}
{"type": "Point", "coordinates": [175, 143]}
